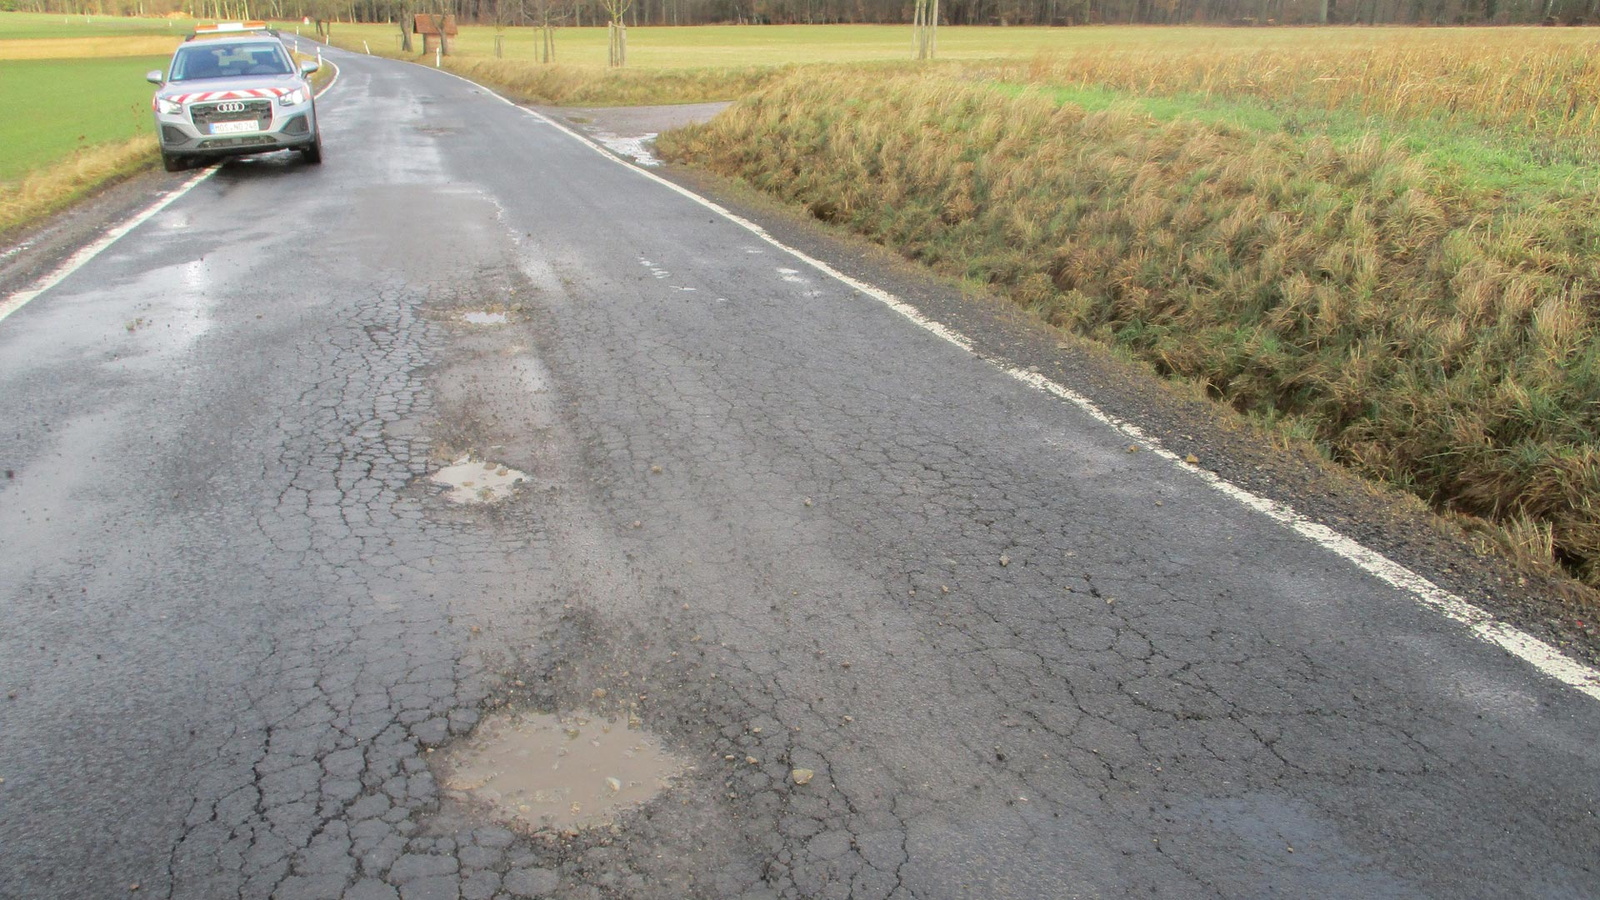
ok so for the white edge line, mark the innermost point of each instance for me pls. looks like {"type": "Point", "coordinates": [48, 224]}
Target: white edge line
{"type": "Point", "coordinates": [82, 257]}
{"type": "Point", "coordinates": [77, 260]}
{"type": "Point", "coordinates": [1479, 622]}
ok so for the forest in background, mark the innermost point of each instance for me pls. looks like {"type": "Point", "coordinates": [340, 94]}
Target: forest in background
{"type": "Point", "coordinates": [1242, 13]}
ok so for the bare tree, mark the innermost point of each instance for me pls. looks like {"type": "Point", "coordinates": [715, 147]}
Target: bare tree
{"type": "Point", "coordinates": [406, 17]}
{"type": "Point", "coordinates": [547, 14]}
{"type": "Point", "coordinates": [617, 48]}
{"type": "Point", "coordinates": [925, 29]}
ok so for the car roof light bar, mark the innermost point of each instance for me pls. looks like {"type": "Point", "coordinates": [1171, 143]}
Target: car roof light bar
{"type": "Point", "coordinates": [254, 25]}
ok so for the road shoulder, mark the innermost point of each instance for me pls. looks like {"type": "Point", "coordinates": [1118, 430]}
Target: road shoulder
{"type": "Point", "coordinates": [36, 250]}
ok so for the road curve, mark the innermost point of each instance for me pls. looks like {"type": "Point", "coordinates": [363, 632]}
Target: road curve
{"type": "Point", "coordinates": [766, 515]}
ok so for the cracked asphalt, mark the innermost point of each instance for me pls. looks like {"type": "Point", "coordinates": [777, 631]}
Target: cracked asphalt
{"type": "Point", "coordinates": [766, 516]}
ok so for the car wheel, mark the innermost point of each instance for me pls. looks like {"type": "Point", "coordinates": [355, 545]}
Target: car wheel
{"type": "Point", "coordinates": [174, 163]}
{"type": "Point", "coordinates": [313, 153]}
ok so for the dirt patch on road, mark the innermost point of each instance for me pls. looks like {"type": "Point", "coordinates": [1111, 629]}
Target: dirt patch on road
{"type": "Point", "coordinates": [544, 771]}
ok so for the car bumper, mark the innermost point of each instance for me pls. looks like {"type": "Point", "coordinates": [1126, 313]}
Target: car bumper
{"type": "Point", "coordinates": [290, 129]}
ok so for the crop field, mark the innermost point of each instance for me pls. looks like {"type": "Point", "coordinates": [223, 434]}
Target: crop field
{"type": "Point", "coordinates": [747, 46]}
{"type": "Point", "coordinates": [48, 26]}
{"type": "Point", "coordinates": [52, 108]}
{"type": "Point", "coordinates": [742, 46]}
{"type": "Point", "coordinates": [74, 105]}
{"type": "Point", "coordinates": [74, 82]}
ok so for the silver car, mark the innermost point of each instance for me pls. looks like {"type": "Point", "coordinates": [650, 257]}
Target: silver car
{"type": "Point", "coordinates": [234, 89]}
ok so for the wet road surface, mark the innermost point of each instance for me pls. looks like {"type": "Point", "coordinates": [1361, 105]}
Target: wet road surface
{"type": "Point", "coordinates": [764, 517]}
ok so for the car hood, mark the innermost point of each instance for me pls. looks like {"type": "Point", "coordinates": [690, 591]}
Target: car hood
{"type": "Point", "coordinates": [252, 88]}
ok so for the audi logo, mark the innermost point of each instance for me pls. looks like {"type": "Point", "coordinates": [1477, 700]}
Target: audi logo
{"type": "Point", "coordinates": [230, 106]}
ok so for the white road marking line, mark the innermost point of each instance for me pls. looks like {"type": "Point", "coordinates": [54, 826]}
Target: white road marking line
{"type": "Point", "coordinates": [1479, 622]}
{"type": "Point", "coordinates": [78, 260]}
{"type": "Point", "coordinates": [81, 258]}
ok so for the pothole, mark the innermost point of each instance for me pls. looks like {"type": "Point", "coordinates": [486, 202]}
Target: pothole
{"type": "Point", "coordinates": [480, 317]}
{"type": "Point", "coordinates": [477, 481]}
{"type": "Point", "coordinates": [546, 771]}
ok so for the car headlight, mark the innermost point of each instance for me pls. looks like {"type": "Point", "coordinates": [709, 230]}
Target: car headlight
{"type": "Point", "coordinates": [168, 107]}
{"type": "Point", "coordinates": [293, 98]}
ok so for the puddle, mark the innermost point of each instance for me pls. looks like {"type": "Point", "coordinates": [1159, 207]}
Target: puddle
{"type": "Point", "coordinates": [478, 317]}
{"type": "Point", "coordinates": [635, 148]}
{"type": "Point", "coordinates": [550, 772]}
{"type": "Point", "coordinates": [475, 481]}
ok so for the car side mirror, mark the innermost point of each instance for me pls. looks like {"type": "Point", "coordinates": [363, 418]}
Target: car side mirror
{"type": "Point", "coordinates": [307, 67]}
{"type": "Point", "coordinates": [154, 76]}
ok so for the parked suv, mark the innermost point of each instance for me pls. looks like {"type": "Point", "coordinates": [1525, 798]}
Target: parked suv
{"type": "Point", "coordinates": [232, 89]}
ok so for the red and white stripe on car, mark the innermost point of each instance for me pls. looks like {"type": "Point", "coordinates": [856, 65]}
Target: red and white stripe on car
{"type": "Point", "coordinates": [250, 94]}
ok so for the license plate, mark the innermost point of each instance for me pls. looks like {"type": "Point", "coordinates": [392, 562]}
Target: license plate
{"type": "Point", "coordinates": [234, 127]}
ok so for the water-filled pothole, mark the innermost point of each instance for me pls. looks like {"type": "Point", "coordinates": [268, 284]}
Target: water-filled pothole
{"type": "Point", "coordinates": [477, 481]}
{"type": "Point", "coordinates": [480, 317]}
{"type": "Point", "coordinates": [544, 771]}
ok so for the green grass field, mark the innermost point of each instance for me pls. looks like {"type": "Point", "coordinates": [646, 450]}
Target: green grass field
{"type": "Point", "coordinates": [73, 83]}
{"type": "Point", "coordinates": [52, 107]}
{"type": "Point", "coordinates": [39, 26]}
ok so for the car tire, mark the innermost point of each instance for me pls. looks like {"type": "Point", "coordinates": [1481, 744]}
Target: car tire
{"type": "Point", "coordinates": [173, 163]}
{"type": "Point", "coordinates": [313, 152]}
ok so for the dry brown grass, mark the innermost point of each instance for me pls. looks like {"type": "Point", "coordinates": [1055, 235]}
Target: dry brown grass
{"type": "Point", "coordinates": [88, 47]}
{"type": "Point", "coordinates": [47, 190]}
{"type": "Point", "coordinates": [1522, 78]}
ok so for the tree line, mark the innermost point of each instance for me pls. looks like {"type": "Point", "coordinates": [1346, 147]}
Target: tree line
{"type": "Point", "coordinates": [949, 12]}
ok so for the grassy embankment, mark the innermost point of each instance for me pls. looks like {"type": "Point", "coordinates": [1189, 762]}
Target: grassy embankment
{"type": "Point", "coordinates": [1388, 249]}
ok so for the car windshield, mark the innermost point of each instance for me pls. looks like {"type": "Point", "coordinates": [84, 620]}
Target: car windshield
{"type": "Point", "coordinates": [195, 61]}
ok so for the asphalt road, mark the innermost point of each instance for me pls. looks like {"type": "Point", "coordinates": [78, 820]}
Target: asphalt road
{"type": "Point", "coordinates": [766, 515]}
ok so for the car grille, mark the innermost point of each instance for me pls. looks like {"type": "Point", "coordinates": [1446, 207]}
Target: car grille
{"type": "Point", "coordinates": [204, 115]}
